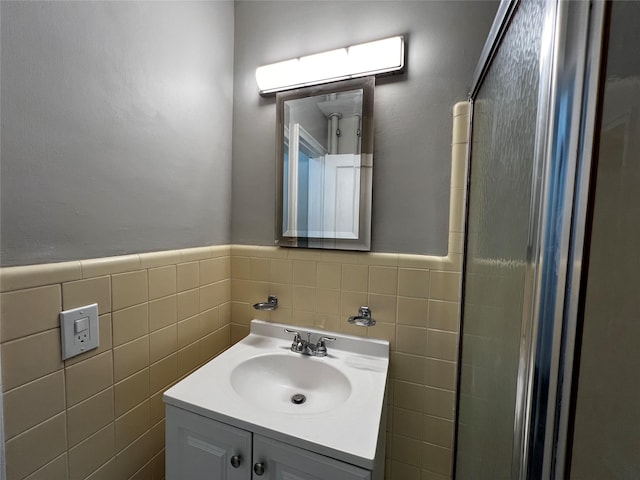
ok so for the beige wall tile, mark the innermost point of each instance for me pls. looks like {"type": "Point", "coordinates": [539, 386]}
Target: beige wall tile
{"type": "Point", "coordinates": [29, 276]}
{"type": "Point", "coordinates": [107, 471]}
{"type": "Point", "coordinates": [327, 322]}
{"type": "Point", "coordinates": [436, 459]}
{"type": "Point", "coordinates": [162, 373]}
{"type": "Point", "coordinates": [329, 275]}
{"type": "Point", "coordinates": [439, 403]}
{"type": "Point", "coordinates": [383, 280]}
{"type": "Point", "coordinates": [128, 289]}
{"type": "Point", "coordinates": [443, 315]}
{"type": "Point", "coordinates": [438, 431]}
{"type": "Point", "coordinates": [440, 374]}
{"type": "Point", "coordinates": [351, 302]}
{"type": "Point", "coordinates": [240, 268]}
{"type": "Point", "coordinates": [355, 278]}
{"type": "Point", "coordinates": [189, 331]}
{"type": "Point", "coordinates": [92, 453]}
{"type": "Point", "coordinates": [413, 283]}
{"type": "Point", "coordinates": [209, 271]}
{"type": "Point", "coordinates": [260, 269]}
{"type": "Point", "coordinates": [162, 281]}
{"type": "Point", "coordinates": [130, 323]}
{"type": "Point", "coordinates": [460, 131]}
{"type": "Point", "coordinates": [442, 345]}
{"type": "Point", "coordinates": [456, 211]}
{"type": "Point", "coordinates": [24, 408]}
{"type": "Point", "coordinates": [188, 303]}
{"type": "Point", "coordinates": [404, 471]}
{"type": "Point", "coordinates": [408, 423]}
{"type": "Point", "coordinates": [281, 271]}
{"type": "Point", "coordinates": [195, 254]}
{"type": "Point", "coordinates": [156, 407]}
{"type": "Point", "coordinates": [96, 267]}
{"type": "Point", "coordinates": [458, 165]}
{"type": "Point", "coordinates": [413, 311]}
{"type": "Point", "coordinates": [188, 276]}
{"type": "Point", "coordinates": [157, 437]}
{"type": "Point", "coordinates": [163, 312]}
{"type": "Point", "coordinates": [384, 331]}
{"type": "Point", "coordinates": [130, 358]}
{"type": "Point", "coordinates": [304, 273]}
{"type": "Point", "coordinates": [411, 340]}
{"type": "Point", "coordinates": [383, 307]}
{"type": "Point", "coordinates": [163, 342]}
{"type": "Point", "coordinates": [241, 313]}
{"type": "Point", "coordinates": [131, 391]}
{"type": "Point", "coordinates": [89, 416]}
{"type": "Point", "coordinates": [129, 460]}
{"type": "Point", "coordinates": [85, 292]}
{"type": "Point", "coordinates": [158, 466]}
{"type": "Point", "coordinates": [406, 450]}
{"type": "Point", "coordinates": [25, 312]}
{"type": "Point", "coordinates": [328, 301]}
{"type": "Point", "coordinates": [304, 298]}
{"type": "Point", "coordinates": [34, 448]}
{"type": "Point", "coordinates": [408, 368]}
{"type": "Point", "coordinates": [131, 425]}
{"type": "Point", "coordinates": [238, 332]}
{"type": "Point", "coordinates": [225, 313]}
{"type": "Point", "coordinates": [188, 358]}
{"type": "Point", "coordinates": [410, 396]}
{"type": "Point", "coordinates": [210, 320]}
{"type": "Point", "coordinates": [29, 358]}
{"type": "Point", "coordinates": [54, 470]}
{"type": "Point", "coordinates": [376, 258]}
{"type": "Point", "coordinates": [89, 377]}
{"type": "Point", "coordinates": [159, 259]}
{"type": "Point", "coordinates": [209, 347]}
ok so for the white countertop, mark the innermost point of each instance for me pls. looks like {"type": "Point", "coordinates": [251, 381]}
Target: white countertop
{"type": "Point", "coordinates": [347, 432]}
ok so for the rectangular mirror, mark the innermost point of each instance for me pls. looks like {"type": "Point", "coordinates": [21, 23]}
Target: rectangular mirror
{"type": "Point", "coordinates": [324, 166]}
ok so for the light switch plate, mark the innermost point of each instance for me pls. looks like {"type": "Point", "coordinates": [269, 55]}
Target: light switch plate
{"type": "Point", "coordinates": [79, 330]}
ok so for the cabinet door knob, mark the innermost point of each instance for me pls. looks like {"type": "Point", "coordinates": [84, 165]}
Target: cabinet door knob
{"type": "Point", "coordinates": [258, 469]}
{"type": "Point", "coordinates": [235, 461]}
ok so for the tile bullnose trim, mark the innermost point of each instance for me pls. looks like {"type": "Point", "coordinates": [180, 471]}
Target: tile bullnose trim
{"type": "Point", "coordinates": [30, 276]}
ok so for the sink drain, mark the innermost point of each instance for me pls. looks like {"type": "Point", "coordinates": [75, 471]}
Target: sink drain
{"type": "Point", "coordinates": [298, 399]}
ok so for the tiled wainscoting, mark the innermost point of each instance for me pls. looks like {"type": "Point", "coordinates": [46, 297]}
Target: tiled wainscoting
{"type": "Point", "coordinates": [100, 415]}
{"type": "Point", "coordinates": [162, 315]}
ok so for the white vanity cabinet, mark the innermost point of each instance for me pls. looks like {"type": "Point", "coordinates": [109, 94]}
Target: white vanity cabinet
{"type": "Point", "coordinates": [199, 448]}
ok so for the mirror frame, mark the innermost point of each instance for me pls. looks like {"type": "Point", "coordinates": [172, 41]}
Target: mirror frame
{"type": "Point", "coordinates": [363, 242]}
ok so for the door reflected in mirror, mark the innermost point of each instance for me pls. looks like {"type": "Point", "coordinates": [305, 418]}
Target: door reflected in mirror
{"type": "Point", "coordinates": [325, 165]}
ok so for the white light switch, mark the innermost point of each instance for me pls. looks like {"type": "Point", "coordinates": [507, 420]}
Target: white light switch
{"type": "Point", "coordinates": [81, 325]}
{"type": "Point", "coordinates": [79, 330]}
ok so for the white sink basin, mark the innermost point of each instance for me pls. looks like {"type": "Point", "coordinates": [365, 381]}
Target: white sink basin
{"type": "Point", "coordinates": [251, 386]}
{"type": "Point", "coordinates": [291, 384]}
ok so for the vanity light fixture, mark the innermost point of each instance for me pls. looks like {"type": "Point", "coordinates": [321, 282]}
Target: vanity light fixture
{"type": "Point", "coordinates": [372, 58]}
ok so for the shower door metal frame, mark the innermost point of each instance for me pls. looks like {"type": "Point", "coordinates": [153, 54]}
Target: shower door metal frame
{"type": "Point", "coordinates": [569, 73]}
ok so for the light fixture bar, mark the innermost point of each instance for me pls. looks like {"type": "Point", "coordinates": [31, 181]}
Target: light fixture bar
{"type": "Point", "coordinates": [372, 58]}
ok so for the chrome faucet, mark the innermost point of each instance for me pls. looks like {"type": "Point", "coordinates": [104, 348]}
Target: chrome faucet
{"type": "Point", "coordinates": [305, 347]}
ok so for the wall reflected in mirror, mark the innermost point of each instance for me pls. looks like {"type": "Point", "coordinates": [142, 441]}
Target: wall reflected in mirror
{"type": "Point", "coordinates": [325, 166]}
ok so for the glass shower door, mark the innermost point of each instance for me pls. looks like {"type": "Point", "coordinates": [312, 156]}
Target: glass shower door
{"type": "Point", "coordinates": [498, 273]}
{"type": "Point", "coordinates": [606, 431]}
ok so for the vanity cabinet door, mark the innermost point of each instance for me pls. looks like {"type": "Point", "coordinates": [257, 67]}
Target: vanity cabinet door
{"type": "Point", "coordinates": [199, 448]}
{"type": "Point", "coordinates": [286, 462]}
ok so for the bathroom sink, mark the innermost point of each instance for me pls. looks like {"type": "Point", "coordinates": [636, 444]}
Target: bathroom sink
{"type": "Point", "coordinates": [333, 405]}
{"type": "Point", "coordinates": [294, 384]}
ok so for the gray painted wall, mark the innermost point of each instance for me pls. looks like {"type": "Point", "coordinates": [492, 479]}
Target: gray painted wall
{"type": "Point", "coordinates": [412, 111]}
{"type": "Point", "coordinates": [116, 128]}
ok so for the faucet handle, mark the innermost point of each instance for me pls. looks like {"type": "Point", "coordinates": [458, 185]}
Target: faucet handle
{"type": "Point", "coordinates": [321, 348]}
{"type": "Point", "coordinates": [296, 346]}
